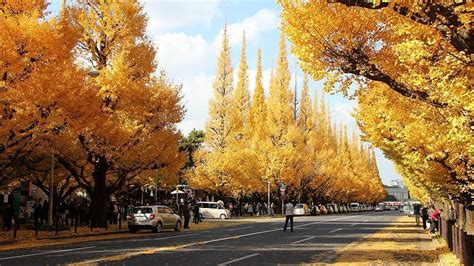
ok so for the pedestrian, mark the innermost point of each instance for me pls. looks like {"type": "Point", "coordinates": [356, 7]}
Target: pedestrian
{"type": "Point", "coordinates": [434, 216]}
{"type": "Point", "coordinates": [186, 215]}
{"type": "Point", "coordinates": [258, 209]}
{"type": "Point", "coordinates": [37, 212]}
{"type": "Point", "coordinates": [62, 213]}
{"type": "Point", "coordinates": [272, 209]}
{"type": "Point", "coordinates": [196, 218]}
{"type": "Point", "coordinates": [7, 217]}
{"type": "Point", "coordinates": [424, 216]}
{"type": "Point", "coordinates": [45, 211]}
{"type": "Point", "coordinates": [250, 209]}
{"type": "Point", "coordinates": [289, 216]}
{"type": "Point", "coordinates": [416, 212]}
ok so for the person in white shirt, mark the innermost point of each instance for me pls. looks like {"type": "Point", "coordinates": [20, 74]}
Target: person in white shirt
{"type": "Point", "coordinates": [289, 216]}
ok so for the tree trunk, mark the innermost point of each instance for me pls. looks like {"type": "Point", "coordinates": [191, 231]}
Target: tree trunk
{"type": "Point", "coordinates": [99, 195]}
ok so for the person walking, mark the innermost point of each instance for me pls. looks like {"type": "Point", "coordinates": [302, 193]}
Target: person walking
{"type": "Point", "coordinates": [289, 216]}
{"type": "Point", "coordinates": [416, 212]}
{"type": "Point", "coordinates": [7, 217]}
{"type": "Point", "coordinates": [37, 213]}
{"type": "Point", "coordinates": [424, 216]}
{"type": "Point", "coordinates": [187, 215]}
{"type": "Point", "coordinates": [197, 217]}
{"type": "Point", "coordinates": [45, 211]}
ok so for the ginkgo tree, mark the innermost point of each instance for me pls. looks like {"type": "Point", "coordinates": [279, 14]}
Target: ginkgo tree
{"type": "Point", "coordinates": [85, 87]}
{"type": "Point", "coordinates": [278, 139]}
{"type": "Point", "coordinates": [410, 71]}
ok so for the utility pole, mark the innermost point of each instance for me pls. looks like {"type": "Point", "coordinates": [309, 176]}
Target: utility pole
{"type": "Point", "coordinates": [268, 206]}
{"type": "Point", "coordinates": [51, 194]}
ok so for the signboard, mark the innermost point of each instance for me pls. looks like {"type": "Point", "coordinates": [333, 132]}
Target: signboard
{"type": "Point", "coordinates": [282, 189]}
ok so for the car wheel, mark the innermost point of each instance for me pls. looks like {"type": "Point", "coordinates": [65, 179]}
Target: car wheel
{"type": "Point", "coordinates": [132, 229]}
{"type": "Point", "coordinates": [178, 226]}
{"type": "Point", "coordinates": [223, 216]}
{"type": "Point", "coordinates": [158, 228]}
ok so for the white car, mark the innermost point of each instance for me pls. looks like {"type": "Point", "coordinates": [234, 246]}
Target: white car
{"type": "Point", "coordinates": [355, 207]}
{"type": "Point", "coordinates": [301, 209]}
{"type": "Point", "coordinates": [212, 210]}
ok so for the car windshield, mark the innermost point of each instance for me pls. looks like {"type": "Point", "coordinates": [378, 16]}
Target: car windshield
{"type": "Point", "coordinates": [298, 206]}
{"type": "Point", "coordinates": [142, 210]}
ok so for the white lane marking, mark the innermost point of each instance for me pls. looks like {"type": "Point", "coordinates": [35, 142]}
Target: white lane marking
{"type": "Point", "coordinates": [155, 250]}
{"type": "Point", "coordinates": [303, 240]}
{"type": "Point", "coordinates": [234, 229]}
{"type": "Point", "coordinates": [354, 224]}
{"type": "Point", "coordinates": [45, 253]}
{"type": "Point", "coordinates": [333, 231]}
{"type": "Point", "coordinates": [239, 259]}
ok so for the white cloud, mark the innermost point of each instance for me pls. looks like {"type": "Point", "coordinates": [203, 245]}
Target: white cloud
{"type": "Point", "coordinates": [183, 55]}
{"type": "Point", "coordinates": [165, 15]}
{"type": "Point", "coordinates": [197, 91]}
{"type": "Point", "coordinates": [254, 26]}
{"type": "Point", "coordinates": [191, 59]}
{"type": "Point", "coordinates": [342, 112]}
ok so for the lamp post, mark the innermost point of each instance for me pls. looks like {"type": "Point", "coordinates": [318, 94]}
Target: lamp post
{"type": "Point", "coordinates": [51, 194]}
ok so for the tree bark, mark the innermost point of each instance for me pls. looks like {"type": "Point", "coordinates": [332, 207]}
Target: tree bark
{"type": "Point", "coordinates": [99, 195]}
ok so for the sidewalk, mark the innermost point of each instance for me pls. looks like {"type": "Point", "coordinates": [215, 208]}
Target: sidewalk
{"type": "Point", "coordinates": [402, 243]}
{"type": "Point", "coordinates": [26, 238]}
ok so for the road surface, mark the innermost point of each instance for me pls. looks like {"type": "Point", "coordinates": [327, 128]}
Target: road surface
{"type": "Point", "coordinates": [258, 243]}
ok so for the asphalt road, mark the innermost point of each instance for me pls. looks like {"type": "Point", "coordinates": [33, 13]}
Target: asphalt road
{"type": "Point", "coordinates": [258, 243]}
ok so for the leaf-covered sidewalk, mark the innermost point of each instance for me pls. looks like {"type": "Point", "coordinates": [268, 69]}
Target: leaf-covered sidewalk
{"type": "Point", "coordinates": [401, 243]}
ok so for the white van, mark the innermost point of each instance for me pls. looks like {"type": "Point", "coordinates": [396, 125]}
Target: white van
{"type": "Point", "coordinates": [212, 210]}
{"type": "Point", "coordinates": [355, 207]}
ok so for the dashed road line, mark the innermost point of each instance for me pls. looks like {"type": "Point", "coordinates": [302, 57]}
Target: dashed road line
{"type": "Point", "coordinates": [238, 259]}
{"type": "Point", "coordinates": [333, 231]}
{"type": "Point", "coordinates": [303, 240]}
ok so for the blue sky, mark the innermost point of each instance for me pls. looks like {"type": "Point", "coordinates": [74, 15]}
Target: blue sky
{"type": "Point", "coordinates": [188, 36]}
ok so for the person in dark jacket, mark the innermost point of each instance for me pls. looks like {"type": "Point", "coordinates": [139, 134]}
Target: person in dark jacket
{"type": "Point", "coordinates": [197, 216]}
{"type": "Point", "coordinates": [186, 215]}
{"type": "Point", "coordinates": [7, 217]}
{"type": "Point", "coordinates": [424, 216]}
{"type": "Point", "coordinates": [44, 219]}
{"type": "Point", "coordinates": [417, 213]}
{"type": "Point", "coordinates": [37, 212]}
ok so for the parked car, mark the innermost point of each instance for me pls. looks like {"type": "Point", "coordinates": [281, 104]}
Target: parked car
{"type": "Point", "coordinates": [379, 207]}
{"type": "Point", "coordinates": [345, 209]}
{"type": "Point", "coordinates": [333, 207]}
{"type": "Point", "coordinates": [323, 209]}
{"type": "Point", "coordinates": [330, 209]}
{"type": "Point", "coordinates": [301, 209]}
{"type": "Point", "coordinates": [315, 210]}
{"type": "Point", "coordinates": [355, 207]}
{"type": "Point", "coordinates": [155, 218]}
{"type": "Point", "coordinates": [408, 210]}
{"type": "Point", "coordinates": [212, 210]}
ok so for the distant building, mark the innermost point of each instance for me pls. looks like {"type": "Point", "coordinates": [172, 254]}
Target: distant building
{"type": "Point", "coordinates": [397, 190]}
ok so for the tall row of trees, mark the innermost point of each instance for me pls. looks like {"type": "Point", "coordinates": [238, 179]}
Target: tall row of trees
{"type": "Point", "coordinates": [81, 88]}
{"type": "Point", "coordinates": [278, 138]}
{"type": "Point", "coordinates": [410, 67]}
